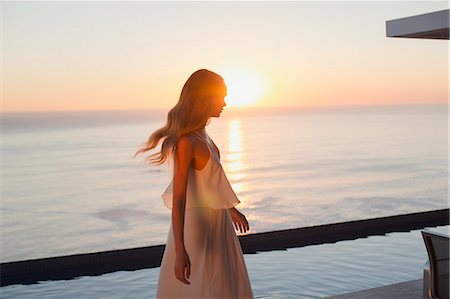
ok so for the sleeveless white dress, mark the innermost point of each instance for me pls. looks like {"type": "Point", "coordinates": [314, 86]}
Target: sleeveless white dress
{"type": "Point", "coordinates": [218, 268]}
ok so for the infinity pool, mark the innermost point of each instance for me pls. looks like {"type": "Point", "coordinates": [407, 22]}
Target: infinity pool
{"type": "Point", "coordinates": [314, 271]}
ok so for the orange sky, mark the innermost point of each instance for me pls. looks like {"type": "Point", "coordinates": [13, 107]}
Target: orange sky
{"type": "Point", "coordinates": [137, 55]}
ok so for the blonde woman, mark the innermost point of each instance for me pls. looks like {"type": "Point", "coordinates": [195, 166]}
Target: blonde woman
{"type": "Point", "coordinates": [203, 257]}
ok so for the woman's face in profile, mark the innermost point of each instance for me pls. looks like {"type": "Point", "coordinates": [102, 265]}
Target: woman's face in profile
{"type": "Point", "coordinates": [217, 104]}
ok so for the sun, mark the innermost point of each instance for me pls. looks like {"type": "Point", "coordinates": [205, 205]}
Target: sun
{"type": "Point", "coordinates": [243, 87]}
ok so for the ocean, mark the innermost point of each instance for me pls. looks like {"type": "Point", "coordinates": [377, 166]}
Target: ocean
{"type": "Point", "coordinates": [70, 184]}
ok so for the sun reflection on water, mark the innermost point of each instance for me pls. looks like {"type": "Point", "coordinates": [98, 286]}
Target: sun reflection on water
{"type": "Point", "coordinates": [235, 168]}
{"type": "Point", "coordinates": [235, 158]}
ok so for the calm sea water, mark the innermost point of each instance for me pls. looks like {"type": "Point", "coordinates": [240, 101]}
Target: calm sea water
{"type": "Point", "coordinates": [70, 185]}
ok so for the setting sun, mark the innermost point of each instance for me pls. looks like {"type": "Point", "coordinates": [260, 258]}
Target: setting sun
{"type": "Point", "coordinates": [244, 87]}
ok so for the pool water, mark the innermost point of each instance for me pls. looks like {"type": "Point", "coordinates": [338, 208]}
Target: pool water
{"type": "Point", "coordinates": [314, 271]}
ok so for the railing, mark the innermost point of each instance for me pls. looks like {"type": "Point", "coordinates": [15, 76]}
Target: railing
{"type": "Point", "coordinates": [90, 264]}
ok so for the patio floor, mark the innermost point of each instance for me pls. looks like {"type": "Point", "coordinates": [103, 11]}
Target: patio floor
{"type": "Point", "coordinates": [405, 290]}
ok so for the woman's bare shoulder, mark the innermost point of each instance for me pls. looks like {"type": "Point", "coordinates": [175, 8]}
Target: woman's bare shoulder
{"type": "Point", "coordinates": [186, 141]}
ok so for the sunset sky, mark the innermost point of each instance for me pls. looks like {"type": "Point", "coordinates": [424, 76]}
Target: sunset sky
{"type": "Point", "coordinates": [137, 55]}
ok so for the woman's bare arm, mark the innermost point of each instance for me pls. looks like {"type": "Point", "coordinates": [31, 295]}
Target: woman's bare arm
{"type": "Point", "coordinates": [184, 155]}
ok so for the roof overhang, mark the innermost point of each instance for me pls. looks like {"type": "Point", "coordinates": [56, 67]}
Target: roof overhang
{"type": "Point", "coordinates": [432, 25]}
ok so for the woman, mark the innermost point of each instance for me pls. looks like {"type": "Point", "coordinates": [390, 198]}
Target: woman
{"type": "Point", "coordinates": [203, 257]}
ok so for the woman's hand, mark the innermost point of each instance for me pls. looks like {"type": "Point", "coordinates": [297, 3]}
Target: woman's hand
{"type": "Point", "coordinates": [239, 220]}
{"type": "Point", "coordinates": [182, 262]}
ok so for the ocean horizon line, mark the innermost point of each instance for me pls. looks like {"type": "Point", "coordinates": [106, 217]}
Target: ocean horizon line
{"type": "Point", "coordinates": [233, 108]}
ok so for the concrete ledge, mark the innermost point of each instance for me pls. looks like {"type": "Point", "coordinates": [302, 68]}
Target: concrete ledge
{"type": "Point", "coordinates": [97, 263]}
{"type": "Point", "coordinates": [404, 290]}
{"type": "Point", "coordinates": [434, 25]}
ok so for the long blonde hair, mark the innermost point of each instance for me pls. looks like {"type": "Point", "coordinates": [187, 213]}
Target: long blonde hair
{"type": "Point", "coordinates": [191, 113]}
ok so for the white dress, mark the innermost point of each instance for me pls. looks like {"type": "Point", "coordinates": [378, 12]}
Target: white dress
{"type": "Point", "coordinates": [218, 268]}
